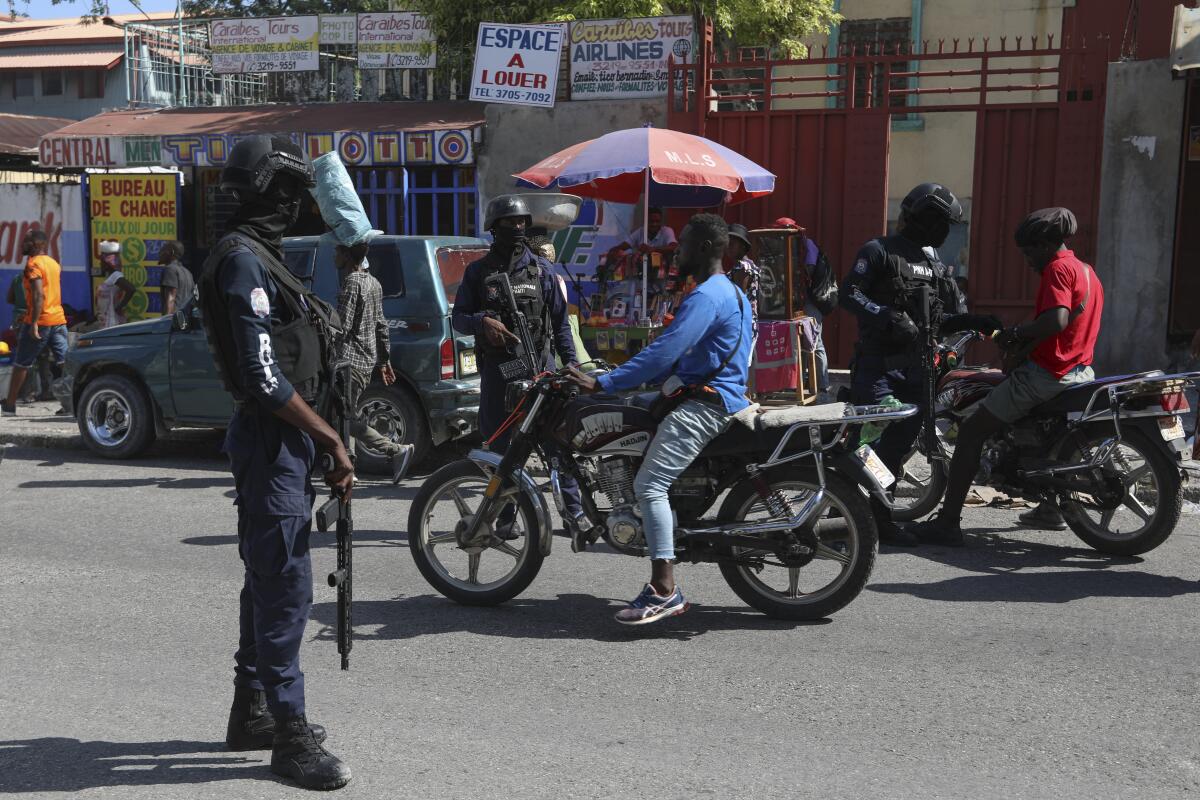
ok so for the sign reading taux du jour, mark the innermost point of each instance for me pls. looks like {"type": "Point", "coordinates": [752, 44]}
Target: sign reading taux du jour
{"type": "Point", "coordinates": [517, 64]}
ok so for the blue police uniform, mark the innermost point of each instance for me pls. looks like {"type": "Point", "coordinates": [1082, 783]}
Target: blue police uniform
{"type": "Point", "coordinates": [271, 462]}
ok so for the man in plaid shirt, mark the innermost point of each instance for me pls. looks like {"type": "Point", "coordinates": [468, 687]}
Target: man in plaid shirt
{"type": "Point", "coordinates": [366, 345]}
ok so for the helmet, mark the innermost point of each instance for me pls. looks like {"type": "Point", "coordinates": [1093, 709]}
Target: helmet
{"type": "Point", "coordinates": [785, 222]}
{"type": "Point", "coordinates": [932, 198]}
{"type": "Point", "coordinates": [254, 162]}
{"type": "Point", "coordinates": [506, 205]}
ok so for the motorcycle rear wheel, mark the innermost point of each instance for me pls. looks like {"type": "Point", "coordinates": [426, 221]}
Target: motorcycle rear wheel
{"type": "Point", "coordinates": [846, 535]}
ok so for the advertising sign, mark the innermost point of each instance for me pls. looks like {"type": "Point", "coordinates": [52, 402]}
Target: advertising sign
{"type": "Point", "coordinates": [624, 58]}
{"type": "Point", "coordinates": [394, 39]}
{"type": "Point", "coordinates": [269, 44]}
{"type": "Point", "coordinates": [338, 28]}
{"type": "Point", "coordinates": [56, 209]}
{"type": "Point", "coordinates": [517, 64]}
{"type": "Point", "coordinates": [141, 213]}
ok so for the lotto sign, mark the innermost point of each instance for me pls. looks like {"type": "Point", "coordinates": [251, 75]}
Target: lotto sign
{"type": "Point", "coordinates": [396, 39]}
{"type": "Point", "coordinates": [139, 212]}
{"type": "Point", "coordinates": [517, 64]}
{"type": "Point", "coordinates": [622, 58]}
{"type": "Point", "coordinates": [271, 44]}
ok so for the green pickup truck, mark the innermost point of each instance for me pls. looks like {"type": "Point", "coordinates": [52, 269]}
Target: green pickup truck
{"type": "Point", "coordinates": [128, 384]}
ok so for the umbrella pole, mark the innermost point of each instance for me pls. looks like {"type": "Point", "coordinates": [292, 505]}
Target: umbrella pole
{"type": "Point", "coordinates": [646, 241]}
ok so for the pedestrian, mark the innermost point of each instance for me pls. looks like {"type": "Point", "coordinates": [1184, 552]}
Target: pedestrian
{"type": "Point", "coordinates": [16, 299]}
{"type": "Point", "coordinates": [656, 236]}
{"type": "Point", "coordinates": [816, 271]}
{"type": "Point", "coordinates": [745, 274]}
{"type": "Point", "coordinates": [253, 309]}
{"type": "Point", "coordinates": [45, 322]}
{"type": "Point", "coordinates": [366, 345]}
{"type": "Point", "coordinates": [177, 284]}
{"type": "Point", "coordinates": [115, 292]}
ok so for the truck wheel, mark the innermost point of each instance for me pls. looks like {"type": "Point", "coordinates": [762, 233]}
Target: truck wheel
{"type": "Point", "coordinates": [115, 417]}
{"type": "Point", "coordinates": [396, 415]}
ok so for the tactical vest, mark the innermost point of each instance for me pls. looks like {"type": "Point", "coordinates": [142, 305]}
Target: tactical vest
{"type": "Point", "coordinates": [303, 343]}
{"type": "Point", "coordinates": [527, 291]}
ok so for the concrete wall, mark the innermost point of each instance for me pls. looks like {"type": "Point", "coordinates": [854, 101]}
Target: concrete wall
{"type": "Point", "coordinates": [1139, 183]}
{"type": "Point", "coordinates": [517, 137]}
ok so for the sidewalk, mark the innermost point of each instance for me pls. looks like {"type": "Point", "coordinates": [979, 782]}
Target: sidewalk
{"type": "Point", "coordinates": [36, 425]}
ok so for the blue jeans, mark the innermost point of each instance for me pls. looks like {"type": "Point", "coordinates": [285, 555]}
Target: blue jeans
{"type": "Point", "coordinates": [819, 348]}
{"type": "Point", "coordinates": [680, 438]}
{"type": "Point", "coordinates": [29, 348]}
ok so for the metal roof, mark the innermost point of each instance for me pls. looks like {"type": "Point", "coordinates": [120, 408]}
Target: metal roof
{"type": "Point", "coordinates": [19, 134]}
{"type": "Point", "coordinates": [73, 31]}
{"type": "Point", "coordinates": [63, 59]}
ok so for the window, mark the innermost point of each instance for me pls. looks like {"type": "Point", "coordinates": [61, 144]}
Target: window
{"type": "Point", "coordinates": [876, 37]}
{"type": "Point", "coordinates": [52, 83]}
{"type": "Point", "coordinates": [384, 260]}
{"type": "Point", "coordinates": [23, 85]}
{"type": "Point", "coordinates": [452, 263]}
{"type": "Point", "coordinates": [300, 264]}
{"type": "Point", "coordinates": [91, 84]}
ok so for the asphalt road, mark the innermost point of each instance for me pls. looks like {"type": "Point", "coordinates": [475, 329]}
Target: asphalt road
{"type": "Point", "coordinates": [1025, 666]}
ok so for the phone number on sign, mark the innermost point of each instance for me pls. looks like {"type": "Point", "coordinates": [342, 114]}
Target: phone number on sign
{"type": "Point", "coordinates": [513, 94]}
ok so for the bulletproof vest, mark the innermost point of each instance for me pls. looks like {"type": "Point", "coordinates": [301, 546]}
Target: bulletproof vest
{"type": "Point", "coordinates": [303, 342]}
{"type": "Point", "coordinates": [527, 291]}
{"type": "Point", "coordinates": [904, 279]}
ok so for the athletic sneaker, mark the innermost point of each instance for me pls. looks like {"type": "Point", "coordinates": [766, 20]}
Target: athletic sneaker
{"type": "Point", "coordinates": [8, 411]}
{"type": "Point", "coordinates": [1044, 517]}
{"type": "Point", "coordinates": [649, 607]}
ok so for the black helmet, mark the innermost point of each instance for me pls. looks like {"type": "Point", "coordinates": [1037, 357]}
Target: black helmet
{"type": "Point", "coordinates": [257, 160]}
{"type": "Point", "coordinates": [932, 198]}
{"type": "Point", "coordinates": [506, 205]}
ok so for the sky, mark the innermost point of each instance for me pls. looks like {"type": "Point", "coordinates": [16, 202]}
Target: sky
{"type": "Point", "coordinates": [42, 9]}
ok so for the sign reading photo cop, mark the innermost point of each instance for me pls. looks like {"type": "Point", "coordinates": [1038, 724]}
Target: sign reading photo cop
{"type": "Point", "coordinates": [624, 58]}
{"type": "Point", "coordinates": [517, 64]}
{"type": "Point", "coordinates": [270, 44]}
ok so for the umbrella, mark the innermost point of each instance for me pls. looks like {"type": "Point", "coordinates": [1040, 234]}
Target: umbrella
{"type": "Point", "coordinates": [666, 167]}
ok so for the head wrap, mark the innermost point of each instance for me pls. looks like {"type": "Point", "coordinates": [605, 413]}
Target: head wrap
{"type": "Point", "coordinates": [1046, 226]}
{"type": "Point", "coordinates": [109, 247]}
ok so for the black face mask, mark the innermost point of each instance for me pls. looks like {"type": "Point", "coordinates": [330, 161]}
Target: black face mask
{"type": "Point", "coordinates": [267, 217]}
{"type": "Point", "coordinates": [509, 240]}
{"type": "Point", "coordinates": [930, 231]}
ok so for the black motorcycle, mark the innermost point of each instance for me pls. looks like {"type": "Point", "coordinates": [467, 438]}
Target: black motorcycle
{"type": "Point", "coordinates": [793, 537]}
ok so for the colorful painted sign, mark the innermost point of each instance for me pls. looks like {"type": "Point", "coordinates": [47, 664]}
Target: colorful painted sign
{"type": "Point", "coordinates": [141, 213]}
{"type": "Point", "coordinates": [57, 209]}
{"type": "Point", "coordinates": [396, 39]}
{"type": "Point", "coordinates": [517, 64]}
{"type": "Point", "coordinates": [624, 58]}
{"type": "Point", "coordinates": [269, 44]}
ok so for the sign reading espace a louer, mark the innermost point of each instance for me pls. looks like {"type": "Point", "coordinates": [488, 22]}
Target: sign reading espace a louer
{"type": "Point", "coordinates": [517, 64]}
{"type": "Point", "coordinates": [269, 44]}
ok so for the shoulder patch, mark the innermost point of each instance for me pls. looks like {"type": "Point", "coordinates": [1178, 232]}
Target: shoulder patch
{"type": "Point", "coordinates": [860, 266]}
{"type": "Point", "coordinates": [259, 303]}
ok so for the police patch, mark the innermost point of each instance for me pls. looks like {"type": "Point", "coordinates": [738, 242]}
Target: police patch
{"type": "Point", "coordinates": [259, 303]}
{"type": "Point", "coordinates": [860, 266]}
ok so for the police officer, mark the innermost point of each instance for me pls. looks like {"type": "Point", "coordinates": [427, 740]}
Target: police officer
{"type": "Point", "coordinates": [883, 291]}
{"type": "Point", "coordinates": [269, 337]}
{"type": "Point", "coordinates": [478, 310]}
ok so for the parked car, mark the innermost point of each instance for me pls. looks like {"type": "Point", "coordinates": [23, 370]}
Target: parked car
{"type": "Point", "coordinates": [129, 384]}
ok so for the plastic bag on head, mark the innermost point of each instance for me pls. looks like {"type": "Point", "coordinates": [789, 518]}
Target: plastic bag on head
{"type": "Point", "coordinates": [339, 203]}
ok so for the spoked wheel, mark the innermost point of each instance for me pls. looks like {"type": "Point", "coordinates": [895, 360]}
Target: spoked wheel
{"type": "Point", "coordinates": [478, 576]}
{"type": "Point", "coordinates": [1146, 514]}
{"type": "Point", "coordinates": [922, 481]}
{"type": "Point", "coordinates": [826, 572]}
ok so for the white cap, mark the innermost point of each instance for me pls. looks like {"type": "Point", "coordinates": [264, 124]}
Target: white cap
{"type": "Point", "coordinates": [109, 247]}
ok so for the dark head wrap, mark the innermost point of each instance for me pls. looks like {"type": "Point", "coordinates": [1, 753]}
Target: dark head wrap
{"type": "Point", "coordinates": [1046, 226]}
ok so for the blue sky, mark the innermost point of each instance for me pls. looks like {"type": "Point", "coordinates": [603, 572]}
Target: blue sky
{"type": "Point", "coordinates": [45, 9]}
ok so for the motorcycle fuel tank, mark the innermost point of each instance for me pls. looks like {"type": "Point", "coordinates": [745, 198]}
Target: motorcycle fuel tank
{"type": "Point", "coordinates": [607, 429]}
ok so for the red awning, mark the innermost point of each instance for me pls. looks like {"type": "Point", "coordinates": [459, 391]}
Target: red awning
{"type": "Point", "coordinates": [60, 59]}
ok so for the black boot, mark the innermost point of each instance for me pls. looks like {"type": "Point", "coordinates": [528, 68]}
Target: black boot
{"type": "Point", "coordinates": [889, 532]}
{"type": "Point", "coordinates": [297, 754]}
{"type": "Point", "coordinates": [251, 726]}
{"type": "Point", "coordinates": [941, 531]}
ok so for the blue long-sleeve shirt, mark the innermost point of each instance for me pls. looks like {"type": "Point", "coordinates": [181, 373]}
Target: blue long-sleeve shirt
{"type": "Point", "coordinates": [704, 331]}
{"type": "Point", "coordinates": [251, 295]}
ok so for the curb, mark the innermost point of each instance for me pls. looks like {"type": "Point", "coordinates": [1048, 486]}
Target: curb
{"type": "Point", "coordinates": [43, 440]}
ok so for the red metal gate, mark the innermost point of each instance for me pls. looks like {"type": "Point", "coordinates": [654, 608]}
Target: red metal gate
{"type": "Point", "coordinates": [822, 125]}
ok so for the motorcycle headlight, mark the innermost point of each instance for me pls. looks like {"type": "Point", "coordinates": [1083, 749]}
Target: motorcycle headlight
{"type": "Point", "coordinates": [513, 393]}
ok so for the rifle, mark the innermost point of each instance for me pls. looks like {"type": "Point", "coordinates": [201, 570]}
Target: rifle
{"type": "Point", "coordinates": [927, 344]}
{"type": "Point", "coordinates": [525, 363]}
{"type": "Point", "coordinates": [338, 509]}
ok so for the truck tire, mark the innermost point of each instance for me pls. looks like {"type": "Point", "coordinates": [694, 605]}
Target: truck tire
{"type": "Point", "coordinates": [395, 413]}
{"type": "Point", "coordinates": [115, 417]}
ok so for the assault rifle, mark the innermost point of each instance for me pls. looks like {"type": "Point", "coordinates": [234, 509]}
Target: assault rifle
{"type": "Point", "coordinates": [525, 363]}
{"type": "Point", "coordinates": [337, 509]}
{"type": "Point", "coordinates": [928, 311]}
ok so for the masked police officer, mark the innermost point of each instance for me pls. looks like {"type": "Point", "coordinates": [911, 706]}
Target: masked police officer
{"type": "Point", "coordinates": [269, 337]}
{"type": "Point", "coordinates": [479, 311]}
{"type": "Point", "coordinates": [884, 292]}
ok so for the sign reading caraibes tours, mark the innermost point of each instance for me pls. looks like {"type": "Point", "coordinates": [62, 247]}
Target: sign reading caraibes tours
{"type": "Point", "coordinates": [392, 39]}
{"type": "Point", "coordinates": [517, 64]}
{"type": "Point", "coordinates": [623, 58]}
{"type": "Point", "coordinates": [269, 44]}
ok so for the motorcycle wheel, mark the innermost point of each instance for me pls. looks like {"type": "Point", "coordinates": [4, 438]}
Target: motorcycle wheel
{"type": "Point", "coordinates": [1152, 504]}
{"type": "Point", "coordinates": [921, 483]}
{"type": "Point", "coordinates": [492, 574]}
{"type": "Point", "coordinates": [846, 538]}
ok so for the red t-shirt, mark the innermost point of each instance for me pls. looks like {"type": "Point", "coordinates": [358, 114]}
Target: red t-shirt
{"type": "Point", "coordinates": [1067, 282]}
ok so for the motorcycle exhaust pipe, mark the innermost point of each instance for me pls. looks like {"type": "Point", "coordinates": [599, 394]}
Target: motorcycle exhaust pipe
{"type": "Point", "coordinates": [802, 516]}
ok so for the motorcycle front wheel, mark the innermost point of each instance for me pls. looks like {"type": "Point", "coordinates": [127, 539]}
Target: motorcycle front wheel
{"type": "Point", "coordinates": [845, 538]}
{"type": "Point", "coordinates": [483, 576]}
{"type": "Point", "coordinates": [922, 481]}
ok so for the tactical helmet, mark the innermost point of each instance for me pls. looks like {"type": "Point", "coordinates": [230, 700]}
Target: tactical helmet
{"type": "Point", "coordinates": [932, 198]}
{"type": "Point", "coordinates": [257, 160]}
{"type": "Point", "coordinates": [506, 205]}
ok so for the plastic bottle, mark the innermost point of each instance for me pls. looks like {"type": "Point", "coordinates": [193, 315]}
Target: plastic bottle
{"type": "Point", "coordinates": [871, 431]}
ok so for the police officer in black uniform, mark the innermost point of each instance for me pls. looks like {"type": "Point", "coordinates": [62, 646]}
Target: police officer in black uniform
{"type": "Point", "coordinates": [883, 292]}
{"type": "Point", "coordinates": [479, 310]}
{"type": "Point", "coordinates": [269, 337]}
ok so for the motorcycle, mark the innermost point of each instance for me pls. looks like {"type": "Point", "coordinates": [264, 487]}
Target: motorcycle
{"type": "Point", "coordinates": [793, 537]}
{"type": "Point", "coordinates": [1108, 452]}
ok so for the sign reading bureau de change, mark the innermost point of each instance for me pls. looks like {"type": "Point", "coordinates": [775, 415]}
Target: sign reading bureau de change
{"type": "Point", "coordinates": [270, 44]}
{"type": "Point", "coordinates": [517, 64]}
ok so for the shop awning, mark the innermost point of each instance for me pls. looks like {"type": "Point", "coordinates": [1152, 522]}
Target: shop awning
{"type": "Point", "coordinates": [59, 59]}
{"type": "Point", "coordinates": [364, 134]}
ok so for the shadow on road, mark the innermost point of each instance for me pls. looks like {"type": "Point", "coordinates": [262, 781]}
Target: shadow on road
{"type": "Point", "coordinates": [362, 538]}
{"type": "Point", "coordinates": [570, 616]}
{"type": "Point", "coordinates": [60, 764]}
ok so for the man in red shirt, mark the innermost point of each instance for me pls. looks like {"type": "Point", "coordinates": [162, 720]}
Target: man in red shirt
{"type": "Point", "coordinates": [1066, 322]}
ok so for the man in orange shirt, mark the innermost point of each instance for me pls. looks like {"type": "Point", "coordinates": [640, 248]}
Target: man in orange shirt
{"type": "Point", "coordinates": [45, 324]}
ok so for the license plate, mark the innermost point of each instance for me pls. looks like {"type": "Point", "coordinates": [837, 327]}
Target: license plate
{"type": "Point", "coordinates": [875, 466]}
{"type": "Point", "coordinates": [1171, 428]}
{"type": "Point", "coordinates": [466, 363]}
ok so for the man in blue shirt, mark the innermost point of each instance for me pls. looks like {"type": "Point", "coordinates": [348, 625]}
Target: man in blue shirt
{"type": "Point", "coordinates": [707, 347]}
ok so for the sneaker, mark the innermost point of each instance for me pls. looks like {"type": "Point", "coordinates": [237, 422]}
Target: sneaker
{"type": "Point", "coordinates": [649, 607]}
{"type": "Point", "coordinates": [579, 529]}
{"type": "Point", "coordinates": [504, 529]}
{"type": "Point", "coordinates": [938, 531]}
{"type": "Point", "coordinates": [7, 411]}
{"type": "Point", "coordinates": [1044, 517]}
{"type": "Point", "coordinates": [400, 462]}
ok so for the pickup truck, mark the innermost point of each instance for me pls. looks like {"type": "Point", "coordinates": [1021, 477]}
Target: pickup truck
{"type": "Point", "coordinates": [128, 384]}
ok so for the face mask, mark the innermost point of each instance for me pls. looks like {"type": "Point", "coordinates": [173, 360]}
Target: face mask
{"type": "Point", "coordinates": [927, 232]}
{"type": "Point", "coordinates": [508, 238]}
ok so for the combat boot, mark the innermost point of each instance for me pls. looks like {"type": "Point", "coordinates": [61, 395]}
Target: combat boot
{"type": "Point", "coordinates": [298, 755]}
{"type": "Point", "coordinates": [251, 726]}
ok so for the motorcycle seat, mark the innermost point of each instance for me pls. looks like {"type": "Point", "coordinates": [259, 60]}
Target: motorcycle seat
{"type": "Point", "coordinates": [761, 430]}
{"type": "Point", "coordinates": [1077, 397]}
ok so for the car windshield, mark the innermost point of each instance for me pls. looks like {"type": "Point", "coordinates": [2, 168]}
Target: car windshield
{"type": "Point", "coordinates": [452, 262]}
